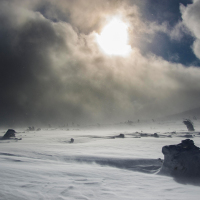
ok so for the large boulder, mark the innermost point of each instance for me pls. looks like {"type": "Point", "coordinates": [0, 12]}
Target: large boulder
{"type": "Point", "coordinates": [181, 160]}
{"type": "Point", "coordinates": [10, 133]}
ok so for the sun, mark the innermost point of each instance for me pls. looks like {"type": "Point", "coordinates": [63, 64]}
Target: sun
{"type": "Point", "coordinates": [113, 39]}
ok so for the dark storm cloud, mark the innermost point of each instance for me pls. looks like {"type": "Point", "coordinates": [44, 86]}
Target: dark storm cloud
{"type": "Point", "coordinates": [27, 39]}
{"type": "Point", "coordinates": [52, 70]}
{"type": "Point", "coordinates": [42, 72]}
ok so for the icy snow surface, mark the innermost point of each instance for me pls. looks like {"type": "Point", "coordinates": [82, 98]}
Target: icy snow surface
{"type": "Point", "coordinates": [45, 165]}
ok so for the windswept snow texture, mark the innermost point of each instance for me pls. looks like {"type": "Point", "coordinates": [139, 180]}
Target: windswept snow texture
{"type": "Point", "coordinates": [97, 165]}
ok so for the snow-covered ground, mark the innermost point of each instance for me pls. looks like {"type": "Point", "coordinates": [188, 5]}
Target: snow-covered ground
{"type": "Point", "coordinates": [45, 165]}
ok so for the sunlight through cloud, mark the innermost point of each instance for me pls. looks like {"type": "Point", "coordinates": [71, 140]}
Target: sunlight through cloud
{"type": "Point", "coordinates": [114, 38]}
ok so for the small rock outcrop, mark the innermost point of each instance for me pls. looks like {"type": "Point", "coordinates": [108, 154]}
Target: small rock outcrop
{"type": "Point", "coordinates": [181, 160]}
{"type": "Point", "coordinates": [10, 133]}
{"type": "Point", "coordinates": [31, 128]}
{"type": "Point", "coordinates": [189, 125]}
{"type": "Point", "coordinates": [156, 135]}
{"type": "Point", "coordinates": [121, 135]}
{"type": "Point", "coordinates": [72, 140]}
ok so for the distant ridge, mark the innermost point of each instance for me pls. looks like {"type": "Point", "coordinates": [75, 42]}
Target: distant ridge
{"type": "Point", "coordinates": [189, 114]}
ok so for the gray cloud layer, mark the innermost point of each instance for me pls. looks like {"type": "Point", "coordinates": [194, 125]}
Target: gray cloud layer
{"type": "Point", "coordinates": [52, 71]}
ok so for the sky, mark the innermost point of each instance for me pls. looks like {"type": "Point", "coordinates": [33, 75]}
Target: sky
{"type": "Point", "coordinates": [53, 71]}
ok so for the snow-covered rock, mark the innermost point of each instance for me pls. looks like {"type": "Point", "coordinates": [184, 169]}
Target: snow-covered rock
{"type": "Point", "coordinates": [181, 160]}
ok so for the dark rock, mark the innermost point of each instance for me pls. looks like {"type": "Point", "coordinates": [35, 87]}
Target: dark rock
{"type": "Point", "coordinates": [72, 140]}
{"type": "Point", "coordinates": [10, 133]}
{"type": "Point", "coordinates": [189, 125]}
{"type": "Point", "coordinates": [181, 160]}
{"type": "Point", "coordinates": [156, 135]}
{"type": "Point", "coordinates": [188, 136]}
{"type": "Point", "coordinates": [121, 135]}
{"type": "Point", "coordinates": [169, 136]}
{"type": "Point", "coordinates": [129, 122]}
{"type": "Point", "coordinates": [144, 135]}
{"type": "Point", "coordinates": [31, 128]}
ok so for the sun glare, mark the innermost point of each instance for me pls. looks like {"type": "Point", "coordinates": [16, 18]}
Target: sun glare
{"type": "Point", "coordinates": [114, 38]}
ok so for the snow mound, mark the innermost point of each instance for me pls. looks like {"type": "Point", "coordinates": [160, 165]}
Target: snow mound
{"type": "Point", "coordinates": [181, 160]}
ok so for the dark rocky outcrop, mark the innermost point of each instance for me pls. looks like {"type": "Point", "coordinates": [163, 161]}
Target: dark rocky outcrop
{"type": "Point", "coordinates": [155, 135]}
{"type": "Point", "coordinates": [10, 133]}
{"type": "Point", "coordinates": [31, 128]}
{"type": "Point", "coordinates": [121, 135]}
{"type": "Point", "coordinates": [181, 160]}
{"type": "Point", "coordinates": [189, 125]}
{"type": "Point", "coordinates": [72, 140]}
